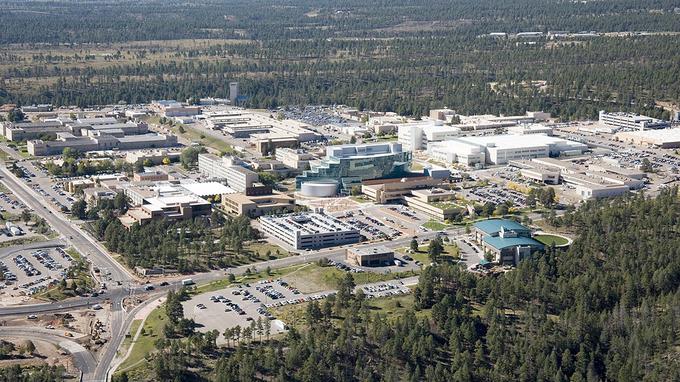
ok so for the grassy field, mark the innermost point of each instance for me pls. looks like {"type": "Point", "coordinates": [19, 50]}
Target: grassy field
{"type": "Point", "coordinates": [435, 225]}
{"type": "Point", "coordinates": [451, 252]}
{"type": "Point", "coordinates": [224, 283]}
{"type": "Point", "coordinates": [391, 307]}
{"type": "Point", "coordinates": [127, 342]}
{"type": "Point", "coordinates": [550, 239]}
{"type": "Point", "coordinates": [153, 330]}
{"type": "Point", "coordinates": [360, 199]}
{"type": "Point", "coordinates": [314, 278]}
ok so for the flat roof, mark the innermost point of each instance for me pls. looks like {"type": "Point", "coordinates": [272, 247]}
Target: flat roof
{"type": "Point", "coordinates": [492, 226]}
{"type": "Point", "coordinates": [658, 136]}
{"type": "Point", "coordinates": [510, 141]}
{"type": "Point", "coordinates": [207, 188]}
{"type": "Point", "coordinates": [500, 243]}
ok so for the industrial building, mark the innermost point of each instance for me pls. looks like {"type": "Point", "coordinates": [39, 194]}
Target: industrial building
{"type": "Point", "coordinates": [506, 240]}
{"type": "Point", "coordinates": [255, 206]}
{"type": "Point", "coordinates": [631, 121]}
{"type": "Point", "coordinates": [99, 141]}
{"type": "Point", "coordinates": [664, 139]}
{"type": "Point", "coordinates": [347, 165]}
{"type": "Point", "coordinates": [309, 230]}
{"type": "Point", "coordinates": [594, 181]}
{"type": "Point", "coordinates": [370, 257]}
{"type": "Point", "coordinates": [172, 108]}
{"type": "Point", "coordinates": [500, 149]}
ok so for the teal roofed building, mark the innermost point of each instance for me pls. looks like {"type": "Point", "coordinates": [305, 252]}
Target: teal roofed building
{"type": "Point", "coordinates": [346, 166]}
{"type": "Point", "coordinates": [506, 240]}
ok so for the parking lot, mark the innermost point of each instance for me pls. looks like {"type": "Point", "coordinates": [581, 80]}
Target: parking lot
{"type": "Point", "coordinates": [32, 271]}
{"type": "Point", "coordinates": [497, 195]}
{"type": "Point", "coordinates": [239, 306]}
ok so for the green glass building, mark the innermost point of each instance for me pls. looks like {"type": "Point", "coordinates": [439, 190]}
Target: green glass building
{"type": "Point", "coordinates": [347, 165]}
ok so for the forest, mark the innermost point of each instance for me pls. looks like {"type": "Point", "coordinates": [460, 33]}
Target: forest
{"type": "Point", "coordinates": [607, 308]}
{"type": "Point", "coordinates": [401, 56]}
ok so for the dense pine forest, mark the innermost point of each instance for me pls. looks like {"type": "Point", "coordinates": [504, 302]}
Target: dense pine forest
{"type": "Point", "coordinates": [402, 56]}
{"type": "Point", "coordinates": [606, 309]}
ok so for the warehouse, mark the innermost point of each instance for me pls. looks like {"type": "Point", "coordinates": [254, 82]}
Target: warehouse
{"type": "Point", "coordinates": [664, 139]}
{"type": "Point", "coordinates": [500, 149]}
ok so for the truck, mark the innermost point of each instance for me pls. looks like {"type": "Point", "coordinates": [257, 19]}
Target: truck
{"type": "Point", "coordinates": [186, 282]}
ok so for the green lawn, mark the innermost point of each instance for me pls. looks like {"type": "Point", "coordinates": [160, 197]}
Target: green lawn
{"type": "Point", "coordinates": [261, 275]}
{"type": "Point", "coordinates": [435, 225]}
{"type": "Point", "coordinates": [550, 239]}
{"type": "Point", "coordinates": [128, 339]}
{"type": "Point", "coordinates": [153, 327]}
{"type": "Point", "coordinates": [450, 251]}
{"type": "Point", "coordinates": [314, 278]}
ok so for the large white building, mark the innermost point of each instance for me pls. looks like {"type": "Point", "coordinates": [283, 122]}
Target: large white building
{"type": "Point", "coordinates": [665, 139]}
{"type": "Point", "coordinates": [630, 121]}
{"type": "Point", "coordinates": [237, 177]}
{"type": "Point", "coordinates": [499, 149]}
{"type": "Point", "coordinates": [416, 136]}
{"type": "Point", "coordinates": [309, 230]}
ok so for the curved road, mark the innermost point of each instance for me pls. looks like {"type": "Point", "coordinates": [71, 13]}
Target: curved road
{"type": "Point", "coordinates": [82, 358]}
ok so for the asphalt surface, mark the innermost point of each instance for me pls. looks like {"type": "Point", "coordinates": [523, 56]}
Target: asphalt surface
{"type": "Point", "coordinates": [82, 358]}
{"type": "Point", "coordinates": [96, 253]}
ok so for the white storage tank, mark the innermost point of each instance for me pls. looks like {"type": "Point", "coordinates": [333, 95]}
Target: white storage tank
{"type": "Point", "coordinates": [320, 189]}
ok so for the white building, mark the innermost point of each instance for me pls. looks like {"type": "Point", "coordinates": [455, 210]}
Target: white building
{"type": "Point", "coordinates": [535, 128]}
{"type": "Point", "coordinates": [499, 149]}
{"type": "Point", "coordinates": [416, 136]}
{"type": "Point", "coordinates": [632, 121]}
{"type": "Point", "coordinates": [294, 158]}
{"type": "Point", "coordinates": [309, 230]}
{"type": "Point", "coordinates": [226, 168]}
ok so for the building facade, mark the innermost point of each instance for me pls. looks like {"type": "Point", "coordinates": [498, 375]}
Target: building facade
{"type": "Point", "coordinates": [309, 230]}
{"type": "Point", "coordinates": [348, 165]}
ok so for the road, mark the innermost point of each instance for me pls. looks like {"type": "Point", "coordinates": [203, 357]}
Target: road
{"type": "Point", "coordinates": [82, 358]}
{"type": "Point", "coordinates": [93, 251]}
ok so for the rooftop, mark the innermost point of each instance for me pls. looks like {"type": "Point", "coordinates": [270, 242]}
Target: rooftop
{"type": "Point", "coordinates": [500, 243]}
{"type": "Point", "coordinates": [207, 188]}
{"type": "Point", "coordinates": [492, 226]}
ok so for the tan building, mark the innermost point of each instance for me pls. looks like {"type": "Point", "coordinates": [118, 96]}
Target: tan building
{"type": "Point", "coordinates": [388, 190]}
{"type": "Point", "coordinates": [77, 185]}
{"type": "Point", "coordinates": [180, 207]}
{"type": "Point", "coordinates": [370, 257]}
{"type": "Point", "coordinates": [258, 205]}
{"type": "Point", "coordinates": [150, 176]}
{"type": "Point", "coordinates": [435, 202]}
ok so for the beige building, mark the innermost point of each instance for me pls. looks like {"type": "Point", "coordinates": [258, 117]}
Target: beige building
{"type": "Point", "coordinates": [387, 190]}
{"type": "Point", "coordinates": [257, 205]}
{"type": "Point", "coordinates": [150, 176]}
{"type": "Point", "coordinates": [370, 257]}
{"type": "Point", "coordinates": [435, 202]}
{"type": "Point", "coordinates": [179, 207]}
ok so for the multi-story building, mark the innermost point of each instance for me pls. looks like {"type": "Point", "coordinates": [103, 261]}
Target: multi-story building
{"type": "Point", "coordinates": [150, 176]}
{"type": "Point", "coordinates": [500, 149]}
{"type": "Point", "coordinates": [297, 160]}
{"type": "Point", "coordinates": [237, 177]}
{"type": "Point", "coordinates": [631, 121]}
{"type": "Point", "coordinates": [99, 141]}
{"type": "Point", "coordinates": [436, 202]}
{"type": "Point", "coordinates": [175, 207]}
{"type": "Point", "coordinates": [257, 205]}
{"type": "Point", "coordinates": [506, 240]}
{"type": "Point", "coordinates": [665, 139]}
{"type": "Point", "coordinates": [309, 230]}
{"type": "Point", "coordinates": [392, 190]}
{"type": "Point", "coordinates": [416, 136]}
{"type": "Point", "coordinates": [347, 165]}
